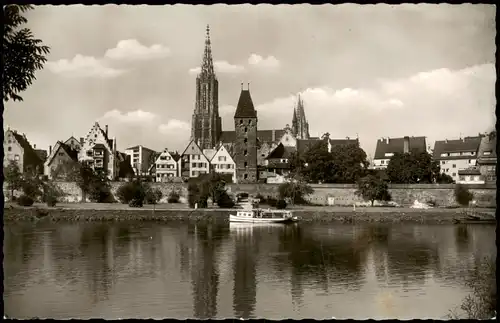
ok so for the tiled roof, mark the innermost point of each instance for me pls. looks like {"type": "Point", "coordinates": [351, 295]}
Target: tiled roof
{"type": "Point", "coordinates": [281, 152]}
{"type": "Point", "coordinates": [467, 144]}
{"type": "Point", "coordinates": [303, 145]}
{"type": "Point", "coordinates": [469, 171]}
{"type": "Point", "coordinates": [396, 145]}
{"type": "Point", "coordinates": [209, 153]}
{"type": "Point", "coordinates": [342, 142]}
{"type": "Point", "coordinates": [99, 146]}
{"type": "Point", "coordinates": [73, 154]}
{"type": "Point", "coordinates": [245, 108]}
{"type": "Point", "coordinates": [488, 144]}
{"type": "Point", "coordinates": [31, 157]}
{"type": "Point", "coordinates": [42, 154]}
{"type": "Point", "coordinates": [278, 165]}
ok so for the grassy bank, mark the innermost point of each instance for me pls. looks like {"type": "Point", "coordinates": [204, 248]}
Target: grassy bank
{"type": "Point", "coordinates": [180, 212]}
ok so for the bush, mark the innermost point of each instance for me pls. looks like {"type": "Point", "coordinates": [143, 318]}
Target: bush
{"type": "Point", "coordinates": [134, 190]}
{"type": "Point", "coordinates": [173, 197]}
{"type": "Point", "coordinates": [462, 195]}
{"type": "Point", "coordinates": [193, 193]}
{"type": "Point", "coordinates": [372, 188]}
{"type": "Point", "coordinates": [295, 191]}
{"type": "Point", "coordinates": [136, 203]}
{"type": "Point", "coordinates": [281, 204]}
{"type": "Point", "coordinates": [261, 198]}
{"type": "Point", "coordinates": [271, 201]}
{"type": "Point", "coordinates": [243, 195]}
{"type": "Point", "coordinates": [51, 194]}
{"type": "Point", "coordinates": [25, 200]}
{"type": "Point", "coordinates": [225, 201]}
{"type": "Point", "coordinates": [153, 195]}
{"type": "Point", "coordinates": [31, 187]}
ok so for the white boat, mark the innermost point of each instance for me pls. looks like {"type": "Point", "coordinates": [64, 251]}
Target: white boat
{"type": "Point", "coordinates": [263, 216]}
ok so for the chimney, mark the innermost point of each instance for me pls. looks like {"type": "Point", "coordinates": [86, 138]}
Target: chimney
{"type": "Point", "coordinates": [106, 131]}
{"type": "Point", "coordinates": [347, 138]}
{"type": "Point", "coordinates": [406, 144]}
{"type": "Point", "coordinates": [273, 135]}
{"type": "Point", "coordinates": [34, 146]}
{"type": "Point", "coordinates": [50, 150]}
{"type": "Point", "coordinates": [82, 141]}
{"type": "Point", "coordinates": [446, 141]}
{"type": "Point", "coordinates": [387, 140]}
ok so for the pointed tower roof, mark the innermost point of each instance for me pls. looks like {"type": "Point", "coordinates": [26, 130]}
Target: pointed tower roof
{"type": "Point", "coordinates": [207, 66]}
{"type": "Point", "coordinates": [245, 108]}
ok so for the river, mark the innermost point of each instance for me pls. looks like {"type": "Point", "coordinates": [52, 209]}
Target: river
{"type": "Point", "coordinates": [186, 270]}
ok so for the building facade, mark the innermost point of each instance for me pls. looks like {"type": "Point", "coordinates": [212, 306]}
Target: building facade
{"type": "Point", "coordinates": [193, 162]}
{"type": "Point", "coordinates": [17, 148]}
{"type": "Point", "coordinates": [245, 143]}
{"type": "Point", "coordinates": [455, 155]}
{"type": "Point", "coordinates": [60, 161]}
{"type": "Point", "coordinates": [387, 147]}
{"type": "Point", "coordinates": [222, 162]}
{"type": "Point", "coordinates": [140, 159]}
{"type": "Point", "coordinates": [166, 166]}
{"type": "Point", "coordinates": [487, 157]}
{"type": "Point", "coordinates": [99, 152]}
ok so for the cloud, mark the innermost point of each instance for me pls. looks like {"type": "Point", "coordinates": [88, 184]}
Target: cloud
{"type": "Point", "coordinates": [174, 126]}
{"type": "Point", "coordinates": [221, 67]}
{"type": "Point", "coordinates": [137, 116]}
{"type": "Point", "coordinates": [259, 61]}
{"type": "Point", "coordinates": [83, 67]}
{"type": "Point", "coordinates": [131, 49]}
{"type": "Point", "coordinates": [438, 104]}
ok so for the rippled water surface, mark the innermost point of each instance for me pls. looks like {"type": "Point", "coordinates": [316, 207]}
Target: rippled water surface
{"type": "Point", "coordinates": [180, 270]}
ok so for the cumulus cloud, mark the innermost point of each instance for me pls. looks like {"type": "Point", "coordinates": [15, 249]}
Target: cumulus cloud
{"type": "Point", "coordinates": [267, 62]}
{"type": "Point", "coordinates": [174, 126]}
{"type": "Point", "coordinates": [221, 67]}
{"type": "Point", "coordinates": [83, 67]}
{"type": "Point", "coordinates": [137, 116]}
{"type": "Point", "coordinates": [419, 105]}
{"type": "Point", "coordinates": [131, 49]}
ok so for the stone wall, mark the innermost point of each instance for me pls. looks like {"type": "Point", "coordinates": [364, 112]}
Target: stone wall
{"type": "Point", "coordinates": [339, 194]}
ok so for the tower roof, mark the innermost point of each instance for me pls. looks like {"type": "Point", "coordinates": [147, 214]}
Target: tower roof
{"type": "Point", "coordinates": [207, 66]}
{"type": "Point", "coordinates": [245, 108]}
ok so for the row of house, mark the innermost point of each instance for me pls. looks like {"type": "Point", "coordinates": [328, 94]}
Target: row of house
{"type": "Point", "coordinates": [466, 160]}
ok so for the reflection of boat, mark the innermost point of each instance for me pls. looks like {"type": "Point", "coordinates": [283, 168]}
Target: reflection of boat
{"type": "Point", "coordinates": [244, 225]}
{"type": "Point", "coordinates": [263, 216]}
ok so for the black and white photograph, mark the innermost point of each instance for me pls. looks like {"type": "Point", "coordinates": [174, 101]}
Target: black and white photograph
{"type": "Point", "coordinates": [249, 161]}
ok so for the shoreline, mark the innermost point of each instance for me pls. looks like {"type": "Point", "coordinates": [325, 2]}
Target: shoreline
{"type": "Point", "coordinates": [95, 212]}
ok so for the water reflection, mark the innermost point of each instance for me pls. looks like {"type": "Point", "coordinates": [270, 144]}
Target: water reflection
{"type": "Point", "coordinates": [144, 270]}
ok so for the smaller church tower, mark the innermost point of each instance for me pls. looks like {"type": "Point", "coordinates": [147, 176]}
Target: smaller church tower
{"type": "Point", "coordinates": [245, 144]}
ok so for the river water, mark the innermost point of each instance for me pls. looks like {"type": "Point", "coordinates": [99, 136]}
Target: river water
{"type": "Point", "coordinates": [181, 270]}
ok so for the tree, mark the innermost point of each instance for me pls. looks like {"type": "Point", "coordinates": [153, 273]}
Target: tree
{"type": "Point", "coordinates": [372, 188]}
{"type": "Point", "coordinates": [319, 164]}
{"type": "Point", "coordinates": [22, 55]}
{"type": "Point", "coordinates": [13, 177]}
{"type": "Point", "coordinates": [295, 190]}
{"type": "Point", "coordinates": [462, 195]}
{"type": "Point", "coordinates": [66, 170]}
{"type": "Point", "coordinates": [443, 178]}
{"type": "Point", "coordinates": [413, 167]}
{"type": "Point", "coordinates": [349, 163]}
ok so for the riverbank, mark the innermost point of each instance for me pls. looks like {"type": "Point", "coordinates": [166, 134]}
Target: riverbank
{"type": "Point", "coordinates": [181, 212]}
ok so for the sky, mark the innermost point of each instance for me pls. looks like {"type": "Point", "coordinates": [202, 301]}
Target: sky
{"type": "Point", "coordinates": [371, 71]}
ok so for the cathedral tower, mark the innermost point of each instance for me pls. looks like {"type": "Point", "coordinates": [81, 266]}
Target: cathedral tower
{"type": "Point", "coordinates": [300, 126]}
{"type": "Point", "coordinates": [245, 144]}
{"type": "Point", "coordinates": [206, 123]}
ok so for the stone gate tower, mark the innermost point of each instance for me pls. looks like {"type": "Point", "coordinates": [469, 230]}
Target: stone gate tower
{"type": "Point", "coordinates": [206, 125]}
{"type": "Point", "coordinates": [245, 144]}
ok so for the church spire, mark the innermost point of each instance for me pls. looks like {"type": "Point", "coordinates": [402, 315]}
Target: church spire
{"type": "Point", "coordinates": [207, 67]}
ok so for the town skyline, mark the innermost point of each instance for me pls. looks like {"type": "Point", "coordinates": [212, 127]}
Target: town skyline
{"type": "Point", "coordinates": [140, 80]}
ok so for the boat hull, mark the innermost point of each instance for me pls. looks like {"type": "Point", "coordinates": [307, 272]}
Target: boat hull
{"type": "Point", "coordinates": [234, 218]}
{"type": "Point", "coordinates": [466, 221]}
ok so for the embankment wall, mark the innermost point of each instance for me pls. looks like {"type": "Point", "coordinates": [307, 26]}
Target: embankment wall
{"type": "Point", "coordinates": [338, 194]}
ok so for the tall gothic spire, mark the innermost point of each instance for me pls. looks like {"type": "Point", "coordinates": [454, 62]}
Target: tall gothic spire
{"type": "Point", "coordinates": [207, 67]}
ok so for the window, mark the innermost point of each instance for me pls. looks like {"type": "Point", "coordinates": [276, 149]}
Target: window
{"type": "Point", "coordinates": [487, 153]}
{"type": "Point", "coordinates": [382, 162]}
{"type": "Point", "coordinates": [245, 140]}
{"type": "Point", "coordinates": [462, 178]}
{"type": "Point", "coordinates": [163, 158]}
{"type": "Point", "coordinates": [246, 164]}
{"type": "Point", "coordinates": [9, 148]}
{"type": "Point", "coordinates": [16, 157]}
{"type": "Point", "coordinates": [241, 121]}
{"type": "Point", "coordinates": [454, 174]}
{"type": "Point", "coordinates": [443, 162]}
{"type": "Point", "coordinates": [470, 161]}
{"type": "Point", "coordinates": [246, 129]}
{"type": "Point", "coordinates": [222, 158]}
{"type": "Point", "coordinates": [61, 154]}
{"type": "Point", "coordinates": [454, 166]}
{"type": "Point", "coordinates": [193, 165]}
{"type": "Point", "coordinates": [245, 176]}
{"type": "Point", "coordinates": [389, 154]}
{"type": "Point", "coordinates": [249, 122]}
{"type": "Point", "coordinates": [246, 152]}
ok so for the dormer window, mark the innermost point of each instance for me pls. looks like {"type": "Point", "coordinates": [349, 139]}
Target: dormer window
{"type": "Point", "coordinates": [241, 121]}
{"type": "Point", "coordinates": [246, 129]}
